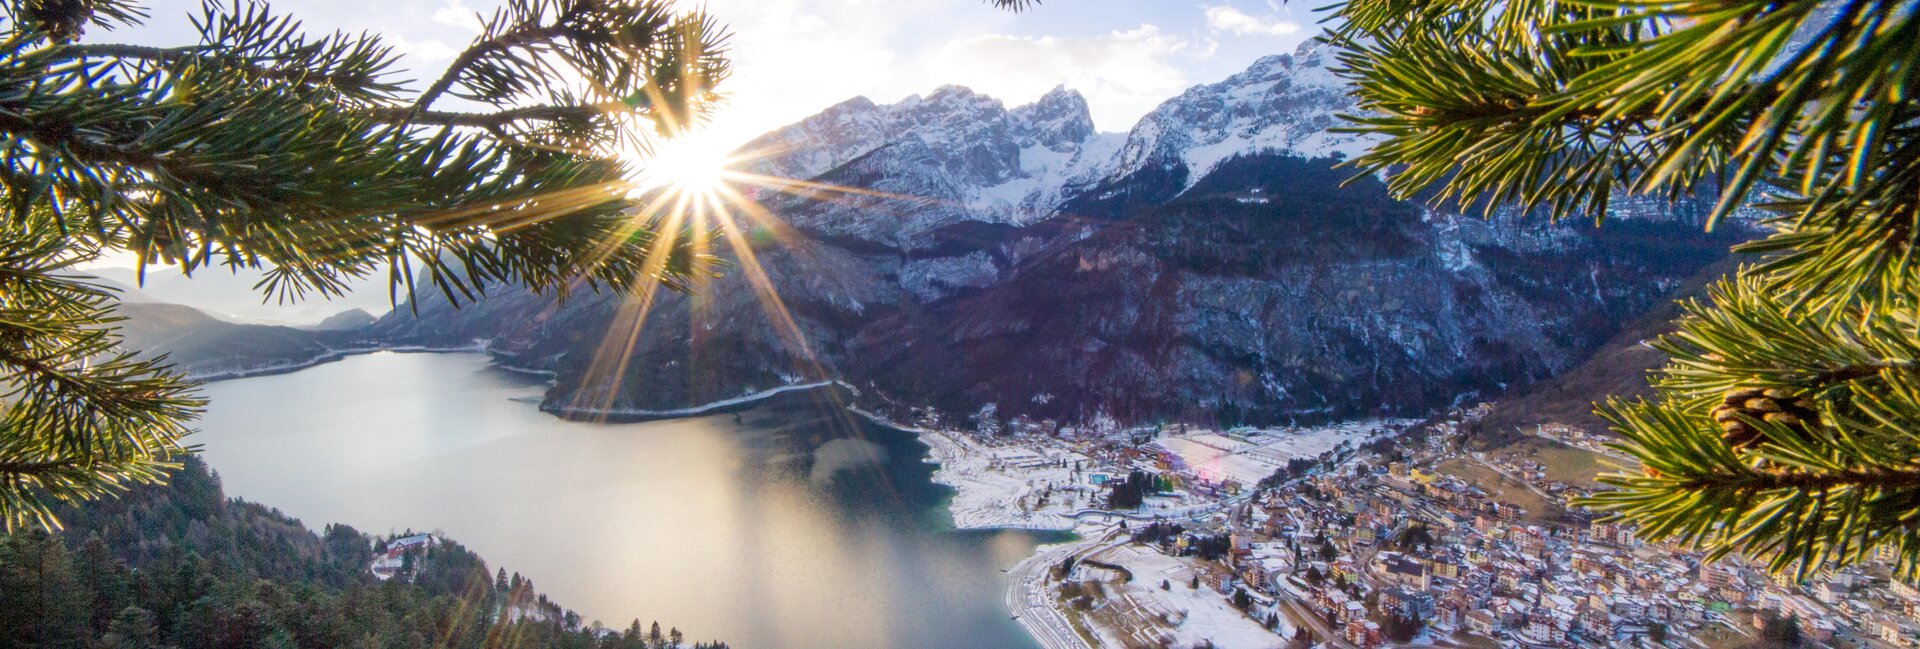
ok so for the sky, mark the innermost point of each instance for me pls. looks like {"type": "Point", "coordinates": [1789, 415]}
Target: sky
{"type": "Point", "coordinates": [793, 58]}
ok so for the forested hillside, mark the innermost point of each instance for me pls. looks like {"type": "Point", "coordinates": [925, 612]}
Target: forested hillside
{"type": "Point", "coordinates": [183, 566]}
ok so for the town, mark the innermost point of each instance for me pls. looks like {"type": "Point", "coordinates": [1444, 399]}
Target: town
{"type": "Point", "coordinates": [1369, 534]}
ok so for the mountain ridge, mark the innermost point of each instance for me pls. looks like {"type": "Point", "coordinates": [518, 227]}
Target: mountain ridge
{"type": "Point", "coordinates": [1211, 265]}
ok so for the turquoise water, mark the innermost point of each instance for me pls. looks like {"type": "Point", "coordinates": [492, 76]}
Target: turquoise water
{"type": "Point", "coordinates": [789, 525]}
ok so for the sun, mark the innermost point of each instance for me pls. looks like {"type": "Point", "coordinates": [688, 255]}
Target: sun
{"type": "Point", "coordinates": [691, 163]}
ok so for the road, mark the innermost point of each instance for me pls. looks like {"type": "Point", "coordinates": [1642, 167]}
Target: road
{"type": "Point", "coordinates": [1516, 479]}
{"type": "Point", "coordinates": [1300, 613]}
{"type": "Point", "coordinates": [1032, 602]}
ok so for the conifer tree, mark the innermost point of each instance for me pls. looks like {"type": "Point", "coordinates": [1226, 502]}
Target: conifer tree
{"type": "Point", "coordinates": [1786, 424]}
{"type": "Point", "coordinates": [261, 146]}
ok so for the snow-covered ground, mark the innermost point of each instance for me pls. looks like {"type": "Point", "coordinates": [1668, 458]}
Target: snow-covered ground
{"type": "Point", "coordinates": [1000, 483]}
{"type": "Point", "coordinates": [1182, 614]}
{"type": "Point", "coordinates": [1027, 484]}
{"type": "Point", "coordinates": [1248, 455]}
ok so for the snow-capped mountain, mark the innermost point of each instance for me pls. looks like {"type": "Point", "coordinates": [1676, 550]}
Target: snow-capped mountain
{"type": "Point", "coordinates": [954, 155]}
{"type": "Point", "coordinates": [968, 157]}
{"type": "Point", "coordinates": [1209, 264]}
{"type": "Point", "coordinates": [1282, 103]}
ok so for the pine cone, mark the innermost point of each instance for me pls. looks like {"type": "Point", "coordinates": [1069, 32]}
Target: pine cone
{"type": "Point", "coordinates": [1772, 405]}
{"type": "Point", "coordinates": [62, 19]}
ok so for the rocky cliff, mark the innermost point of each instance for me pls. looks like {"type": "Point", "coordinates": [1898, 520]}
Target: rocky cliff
{"type": "Point", "coordinates": [1209, 265]}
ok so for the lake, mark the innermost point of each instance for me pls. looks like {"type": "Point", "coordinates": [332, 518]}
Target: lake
{"type": "Point", "coordinates": [794, 524]}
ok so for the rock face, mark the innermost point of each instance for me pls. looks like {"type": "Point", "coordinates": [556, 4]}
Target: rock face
{"type": "Point", "coordinates": [1209, 266]}
{"type": "Point", "coordinates": [950, 156]}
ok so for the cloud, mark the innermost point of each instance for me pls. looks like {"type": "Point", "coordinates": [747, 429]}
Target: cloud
{"type": "Point", "coordinates": [425, 50]}
{"type": "Point", "coordinates": [456, 13]}
{"type": "Point", "coordinates": [1225, 18]}
{"type": "Point", "coordinates": [1123, 74]}
{"type": "Point", "coordinates": [792, 58]}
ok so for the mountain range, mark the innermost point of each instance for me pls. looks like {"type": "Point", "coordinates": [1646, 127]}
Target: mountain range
{"type": "Point", "coordinates": [946, 252]}
{"type": "Point", "coordinates": [947, 255]}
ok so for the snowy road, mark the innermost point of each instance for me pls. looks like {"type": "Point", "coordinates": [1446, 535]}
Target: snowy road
{"type": "Point", "coordinates": [1027, 594]}
{"type": "Point", "coordinates": [1028, 599]}
{"type": "Point", "coordinates": [1031, 602]}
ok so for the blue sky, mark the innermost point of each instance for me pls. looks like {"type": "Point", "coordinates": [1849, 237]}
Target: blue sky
{"type": "Point", "coordinates": [795, 57]}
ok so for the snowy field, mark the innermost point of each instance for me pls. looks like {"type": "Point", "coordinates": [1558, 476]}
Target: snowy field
{"type": "Point", "coordinates": [1002, 485]}
{"type": "Point", "coordinates": [1184, 615]}
{"type": "Point", "coordinates": [1247, 456]}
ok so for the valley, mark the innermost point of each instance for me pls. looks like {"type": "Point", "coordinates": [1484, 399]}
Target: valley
{"type": "Point", "coordinates": [1358, 420]}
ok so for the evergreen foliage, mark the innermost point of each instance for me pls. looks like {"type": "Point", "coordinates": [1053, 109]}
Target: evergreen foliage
{"type": "Point", "coordinates": [1787, 424]}
{"type": "Point", "coordinates": [181, 566]}
{"type": "Point", "coordinates": [1400, 628]}
{"type": "Point", "coordinates": [1778, 632]}
{"type": "Point", "coordinates": [261, 146]}
{"type": "Point", "coordinates": [1130, 492]}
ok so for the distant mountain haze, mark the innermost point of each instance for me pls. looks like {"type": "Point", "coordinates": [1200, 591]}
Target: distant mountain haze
{"type": "Point", "coordinates": [202, 346]}
{"type": "Point", "coordinates": [229, 294]}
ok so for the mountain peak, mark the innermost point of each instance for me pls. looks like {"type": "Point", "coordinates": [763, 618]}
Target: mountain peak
{"type": "Point", "coordinates": [1059, 120]}
{"type": "Point", "coordinates": [1282, 102]}
{"type": "Point", "coordinates": [953, 90]}
{"type": "Point", "coordinates": [1266, 66]}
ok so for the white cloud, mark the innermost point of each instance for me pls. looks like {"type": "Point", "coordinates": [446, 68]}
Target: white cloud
{"type": "Point", "coordinates": [425, 50]}
{"type": "Point", "coordinates": [792, 58]}
{"type": "Point", "coordinates": [1123, 74]}
{"type": "Point", "coordinates": [456, 13]}
{"type": "Point", "coordinates": [1234, 21]}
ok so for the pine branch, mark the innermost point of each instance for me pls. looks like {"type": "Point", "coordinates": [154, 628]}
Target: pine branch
{"type": "Point", "coordinates": [176, 55]}
{"type": "Point", "coordinates": [1788, 417]}
{"type": "Point", "coordinates": [262, 148]}
{"type": "Point", "coordinates": [1758, 481]}
{"type": "Point", "coordinates": [35, 468]}
{"type": "Point", "coordinates": [497, 119]}
{"type": "Point", "coordinates": [520, 36]}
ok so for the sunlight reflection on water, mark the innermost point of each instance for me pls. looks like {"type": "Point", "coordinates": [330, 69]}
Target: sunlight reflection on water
{"type": "Point", "coordinates": [783, 530]}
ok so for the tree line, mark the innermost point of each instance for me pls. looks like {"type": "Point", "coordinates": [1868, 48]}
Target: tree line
{"type": "Point", "coordinates": [182, 566]}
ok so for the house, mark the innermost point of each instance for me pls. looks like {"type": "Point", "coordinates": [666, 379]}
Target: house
{"type": "Point", "coordinates": [1830, 591]}
{"type": "Point", "coordinates": [1892, 631]}
{"type": "Point", "coordinates": [1447, 615]}
{"type": "Point", "coordinates": [1408, 603]}
{"type": "Point", "coordinates": [1482, 622]}
{"type": "Point", "coordinates": [1717, 576]}
{"type": "Point", "coordinates": [1221, 581]}
{"type": "Point", "coordinates": [1354, 611]}
{"type": "Point", "coordinates": [1364, 633]}
{"type": "Point", "coordinates": [1363, 536]}
{"type": "Point", "coordinates": [1538, 632]}
{"type": "Point", "coordinates": [389, 560]}
{"type": "Point", "coordinates": [1543, 630]}
{"type": "Point", "coordinates": [1406, 572]}
{"type": "Point", "coordinates": [1595, 622]}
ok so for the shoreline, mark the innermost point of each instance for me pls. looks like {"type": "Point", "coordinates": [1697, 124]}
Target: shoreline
{"type": "Point", "coordinates": [1026, 597]}
{"type": "Point", "coordinates": [982, 498]}
{"type": "Point", "coordinates": [625, 415]}
{"type": "Point", "coordinates": [329, 357]}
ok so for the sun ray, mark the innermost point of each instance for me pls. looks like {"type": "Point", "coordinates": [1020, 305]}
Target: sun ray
{"type": "Point", "coordinates": [607, 371]}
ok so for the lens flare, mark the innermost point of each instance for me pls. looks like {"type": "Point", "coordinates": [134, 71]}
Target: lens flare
{"type": "Point", "coordinates": [692, 163]}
